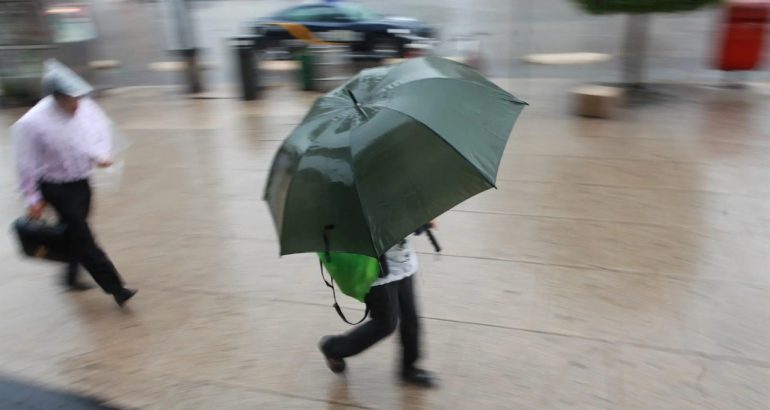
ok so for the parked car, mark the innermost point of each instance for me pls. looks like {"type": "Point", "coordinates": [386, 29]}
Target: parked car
{"type": "Point", "coordinates": [367, 33]}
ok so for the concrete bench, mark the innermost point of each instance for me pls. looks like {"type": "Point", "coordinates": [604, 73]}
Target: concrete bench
{"type": "Point", "coordinates": [598, 101]}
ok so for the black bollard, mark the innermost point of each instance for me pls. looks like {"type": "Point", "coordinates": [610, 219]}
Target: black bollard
{"type": "Point", "coordinates": [245, 52]}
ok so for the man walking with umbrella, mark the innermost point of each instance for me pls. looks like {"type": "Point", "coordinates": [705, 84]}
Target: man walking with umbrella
{"type": "Point", "coordinates": [371, 162]}
{"type": "Point", "coordinates": [58, 142]}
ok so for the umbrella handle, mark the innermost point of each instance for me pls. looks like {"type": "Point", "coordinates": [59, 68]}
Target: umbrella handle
{"type": "Point", "coordinates": [433, 241]}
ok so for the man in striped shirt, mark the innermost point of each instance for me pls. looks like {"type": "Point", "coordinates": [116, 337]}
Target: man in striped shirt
{"type": "Point", "coordinates": [58, 142]}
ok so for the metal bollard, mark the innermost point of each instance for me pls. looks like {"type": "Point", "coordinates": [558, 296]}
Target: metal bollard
{"type": "Point", "coordinates": [332, 67]}
{"type": "Point", "coordinates": [323, 68]}
{"type": "Point", "coordinates": [307, 70]}
{"type": "Point", "coordinates": [245, 52]}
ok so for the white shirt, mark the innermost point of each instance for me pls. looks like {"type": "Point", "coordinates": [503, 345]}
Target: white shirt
{"type": "Point", "coordinates": [53, 146]}
{"type": "Point", "coordinates": [402, 263]}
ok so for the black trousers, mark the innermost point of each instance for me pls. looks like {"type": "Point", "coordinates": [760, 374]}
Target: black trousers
{"type": "Point", "coordinates": [72, 201]}
{"type": "Point", "coordinates": [391, 305]}
{"type": "Point", "coordinates": [73, 267]}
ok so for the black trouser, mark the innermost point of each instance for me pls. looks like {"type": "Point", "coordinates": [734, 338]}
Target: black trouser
{"type": "Point", "coordinates": [72, 201]}
{"type": "Point", "coordinates": [390, 305]}
{"type": "Point", "coordinates": [73, 267]}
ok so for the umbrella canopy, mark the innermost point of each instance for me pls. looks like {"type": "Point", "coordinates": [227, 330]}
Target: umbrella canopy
{"type": "Point", "coordinates": [386, 152]}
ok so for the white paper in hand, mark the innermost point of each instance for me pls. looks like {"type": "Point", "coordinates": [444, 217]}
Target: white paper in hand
{"type": "Point", "coordinates": [110, 179]}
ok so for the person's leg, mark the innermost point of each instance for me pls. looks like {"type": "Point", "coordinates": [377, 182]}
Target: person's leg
{"type": "Point", "coordinates": [410, 337]}
{"type": "Point", "coordinates": [69, 200]}
{"type": "Point", "coordinates": [73, 268]}
{"type": "Point", "coordinates": [69, 205]}
{"type": "Point", "coordinates": [409, 325]}
{"type": "Point", "coordinates": [383, 312]}
{"type": "Point", "coordinates": [71, 275]}
{"type": "Point", "coordinates": [92, 257]}
{"type": "Point", "coordinates": [66, 203]}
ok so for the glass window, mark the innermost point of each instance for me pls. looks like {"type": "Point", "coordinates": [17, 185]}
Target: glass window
{"type": "Point", "coordinates": [313, 13]}
{"type": "Point", "coordinates": [71, 23]}
{"type": "Point", "coordinates": [356, 12]}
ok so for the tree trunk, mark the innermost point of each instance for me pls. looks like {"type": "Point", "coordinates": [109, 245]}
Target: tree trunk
{"type": "Point", "coordinates": [634, 49]}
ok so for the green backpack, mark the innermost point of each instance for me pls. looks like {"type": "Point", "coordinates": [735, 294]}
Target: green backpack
{"type": "Point", "coordinates": [354, 275]}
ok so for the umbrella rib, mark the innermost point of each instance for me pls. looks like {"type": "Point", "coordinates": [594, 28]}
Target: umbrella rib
{"type": "Point", "coordinates": [358, 194]}
{"type": "Point", "coordinates": [294, 170]}
{"type": "Point", "coordinates": [281, 235]}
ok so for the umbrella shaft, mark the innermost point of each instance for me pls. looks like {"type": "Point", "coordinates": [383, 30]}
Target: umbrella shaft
{"type": "Point", "coordinates": [357, 104]}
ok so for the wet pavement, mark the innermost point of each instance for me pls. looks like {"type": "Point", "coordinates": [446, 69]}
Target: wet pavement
{"type": "Point", "coordinates": [621, 264]}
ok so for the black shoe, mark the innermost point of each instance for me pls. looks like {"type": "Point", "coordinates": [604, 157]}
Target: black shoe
{"type": "Point", "coordinates": [335, 364]}
{"type": "Point", "coordinates": [419, 377]}
{"type": "Point", "coordinates": [77, 286]}
{"type": "Point", "coordinates": [123, 295]}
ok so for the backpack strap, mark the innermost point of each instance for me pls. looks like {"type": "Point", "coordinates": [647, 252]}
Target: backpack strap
{"type": "Point", "coordinates": [327, 249]}
{"type": "Point", "coordinates": [330, 283]}
{"type": "Point", "coordinates": [384, 269]}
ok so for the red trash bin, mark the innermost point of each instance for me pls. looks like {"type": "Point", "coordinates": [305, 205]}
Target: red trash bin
{"type": "Point", "coordinates": [743, 29]}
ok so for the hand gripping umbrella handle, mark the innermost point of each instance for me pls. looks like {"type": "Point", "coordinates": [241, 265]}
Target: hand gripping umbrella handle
{"type": "Point", "coordinates": [433, 240]}
{"type": "Point", "coordinates": [426, 229]}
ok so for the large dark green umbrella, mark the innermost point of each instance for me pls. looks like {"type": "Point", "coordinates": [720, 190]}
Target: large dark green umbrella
{"type": "Point", "coordinates": [386, 152]}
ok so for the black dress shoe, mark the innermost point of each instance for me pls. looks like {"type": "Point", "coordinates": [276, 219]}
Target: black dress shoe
{"type": "Point", "coordinates": [335, 364]}
{"type": "Point", "coordinates": [419, 377]}
{"type": "Point", "coordinates": [123, 295]}
{"type": "Point", "coordinates": [77, 286]}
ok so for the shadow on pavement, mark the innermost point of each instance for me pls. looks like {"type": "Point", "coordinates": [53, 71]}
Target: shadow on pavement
{"type": "Point", "coordinates": [15, 394]}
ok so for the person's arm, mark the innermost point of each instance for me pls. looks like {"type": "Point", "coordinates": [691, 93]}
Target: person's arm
{"type": "Point", "coordinates": [101, 148]}
{"type": "Point", "coordinates": [28, 166]}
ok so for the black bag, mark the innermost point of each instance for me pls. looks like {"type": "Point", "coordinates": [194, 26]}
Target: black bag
{"type": "Point", "coordinates": [43, 240]}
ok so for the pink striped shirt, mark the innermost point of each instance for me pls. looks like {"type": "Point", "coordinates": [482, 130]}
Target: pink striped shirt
{"type": "Point", "coordinates": [54, 146]}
